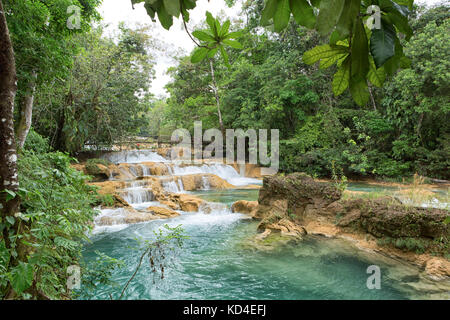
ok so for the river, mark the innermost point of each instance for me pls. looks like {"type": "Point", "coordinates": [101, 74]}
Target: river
{"type": "Point", "coordinates": [219, 262]}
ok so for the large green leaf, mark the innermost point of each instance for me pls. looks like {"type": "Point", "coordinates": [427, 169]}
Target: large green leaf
{"type": "Point", "coordinates": [360, 52]}
{"type": "Point", "coordinates": [165, 19]}
{"type": "Point", "coordinates": [376, 76]}
{"type": "Point", "coordinates": [325, 51]}
{"type": "Point", "coordinates": [303, 13]}
{"type": "Point", "coordinates": [329, 14]}
{"type": "Point", "coordinates": [233, 35]}
{"type": "Point", "coordinates": [172, 7]}
{"type": "Point", "coordinates": [210, 21]}
{"type": "Point", "coordinates": [360, 92]}
{"type": "Point", "coordinates": [382, 43]}
{"type": "Point", "coordinates": [225, 28]}
{"type": "Point", "coordinates": [328, 62]}
{"type": "Point", "coordinates": [341, 79]}
{"type": "Point", "coordinates": [233, 43]}
{"type": "Point", "coordinates": [268, 12]}
{"type": "Point", "coordinates": [199, 54]}
{"type": "Point", "coordinates": [282, 15]}
{"type": "Point", "coordinates": [224, 56]}
{"type": "Point", "coordinates": [348, 17]}
{"type": "Point", "coordinates": [203, 36]}
{"type": "Point", "coordinates": [22, 277]}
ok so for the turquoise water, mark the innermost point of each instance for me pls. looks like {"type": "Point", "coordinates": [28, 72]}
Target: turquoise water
{"type": "Point", "coordinates": [216, 262]}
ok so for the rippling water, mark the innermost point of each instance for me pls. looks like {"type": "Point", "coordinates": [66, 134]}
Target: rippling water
{"type": "Point", "coordinates": [215, 263]}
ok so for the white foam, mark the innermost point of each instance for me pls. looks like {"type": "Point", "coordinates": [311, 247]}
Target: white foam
{"type": "Point", "coordinates": [133, 156]}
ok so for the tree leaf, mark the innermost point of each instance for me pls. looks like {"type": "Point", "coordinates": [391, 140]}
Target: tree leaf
{"type": "Point", "coordinates": [382, 44]}
{"type": "Point", "coordinates": [341, 79]}
{"type": "Point", "coordinates": [165, 19]}
{"type": "Point", "coordinates": [282, 15]}
{"type": "Point", "coordinates": [203, 36]}
{"type": "Point", "coordinates": [268, 12]}
{"type": "Point", "coordinates": [233, 43]}
{"type": "Point", "coordinates": [11, 220]}
{"type": "Point", "coordinates": [325, 51]}
{"type": "Point", "coordinates": [212, 52]}
{"type": "Point", "coordinates": [224, 56]}
{"type": "Point", "coordinates": [225, 28]}
{"type": "Point", "coordinates": [348, 17]}
{"type": "Point", "coordinates": [329, 14]}
{"type": "Point", "coordinates": [360, 52]}
{"type": "Point", "coordinates": [360, 92]}
{"type": "Point", "coordinates": [172, 7]}
{"type": "Point", "coordinates": [303, 13]}
{"type": "Point", "coordinates": [210, 21]}
{"type": "Point", "coordinates": [234, 35]}
{"type": "Point", "coordinates": [199, 54]}
{"type": "Point", "coordinates": [376, 76]}
{"type": "Point", "coordinates": [328, 62]}
{"type": "Point", "coordinates": [9, 194]}
{"type": "Point", "coordinates": [22, 277]}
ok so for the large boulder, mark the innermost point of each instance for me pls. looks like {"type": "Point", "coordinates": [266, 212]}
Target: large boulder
{"type": "Point", "coordinates": [244, 206]}
{"type": "Point", "coordinates": [387, 217]}
{"type": "Point", "coordinates": [293, 196]}
{"type": "Point", "coordinates": [299, 200]}
{"type": "Point", "coordinates": [163, 212]}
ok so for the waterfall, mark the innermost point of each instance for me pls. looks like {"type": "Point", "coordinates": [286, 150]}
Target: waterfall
{"type": "Point", "coordinates": [205, 183]}
{"type": "Point", "coordinates": [137, 195]}
{"type": "Point", "coordinates": [224, 171]}
{"type": "Point", "coordinates": [173, 186]}
{"type": "Point", "coordinates": [145, 170]}
{"type": "Point", "coordinates": [133, 156]}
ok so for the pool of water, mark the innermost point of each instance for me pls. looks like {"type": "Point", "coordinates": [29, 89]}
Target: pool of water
{"type": "Point", "coordinates": [216, 262]}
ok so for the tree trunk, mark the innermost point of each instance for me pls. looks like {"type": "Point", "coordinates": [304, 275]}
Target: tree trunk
{"type": "Point", "coordinates": [216, 94]}
{"type": "Point", "coordinates": [26, 112]}
{"type": "Point", "coordinates": [8, 153]}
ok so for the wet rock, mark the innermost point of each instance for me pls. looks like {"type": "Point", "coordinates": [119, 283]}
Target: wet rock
{"type": "Point", "coordinates": [285, 226]}
{"type": "Point", "coordinates": [108, 187]}
{"type": "Point", "coordinates": [188, 203]}
{"type": "Point", "coordinates": [387, 217]}
{"type": "Point", "coordinates": [291, 195]}
{"type": "Point", "coordinates": [243, 206]}
{"type": "Point", "coordinates": [171, 204]}
{"type": "Point", "coordinates": [163, 212]}
{"type": "Point", "coordinates": [138, 217]}
{"type": "Point", "coordinates": [437, 268]}
{"type": "Point", "coordinates": [201, 181]}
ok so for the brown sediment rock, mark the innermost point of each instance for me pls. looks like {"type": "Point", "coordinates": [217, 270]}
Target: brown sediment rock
{"type": "Point", "coordinates": [164, 152]}
{"type": "Point", "coordinates": [189, 203]}
{"type": "Point", "coordinates": [163, 212]}
{"type": "Point", "coordinates": [243, 206]}
{"type": "Point", "coordinates": [137, 217]}
{"type": "Point", "coordinates": [171, 204]}
{"type": "Point", "coordinates": [196, 182]}
{"type": "Point", "coordinates": [437, 268]}
{"type": "Point", "coordinates": [252, 170]}
{"type": "Point", "coordinates": [285, 226]}
{"type": "Point", "coordinates": [108, 187]}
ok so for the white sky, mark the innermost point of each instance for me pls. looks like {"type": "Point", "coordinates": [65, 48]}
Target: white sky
{"type": "Point", "coordinates": [115, 11]}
